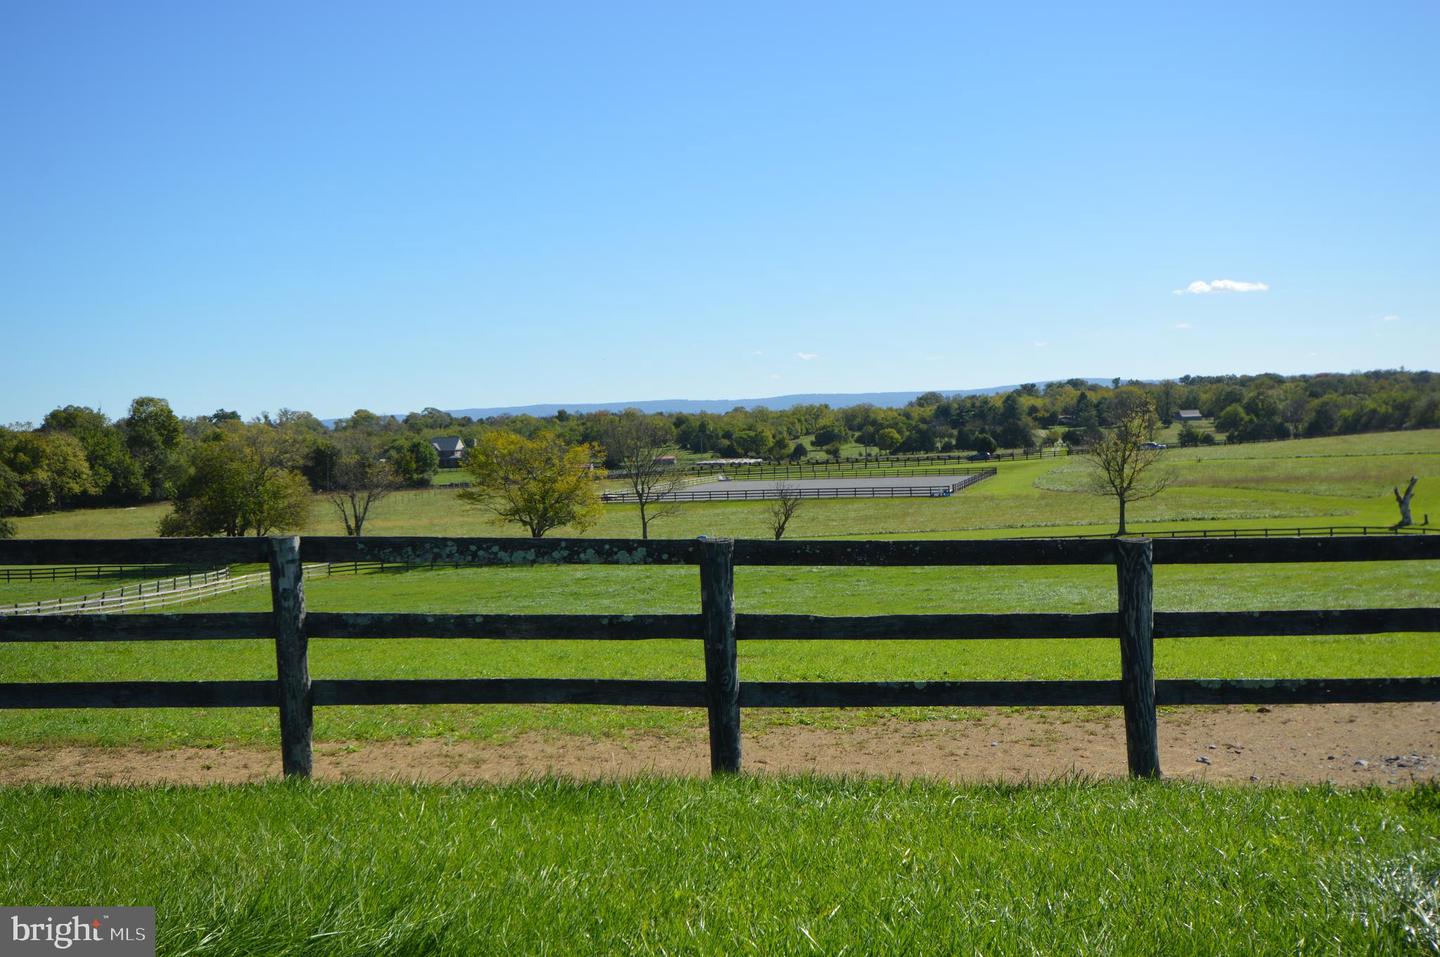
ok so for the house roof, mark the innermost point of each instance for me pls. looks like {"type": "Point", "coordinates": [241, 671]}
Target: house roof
{"type": "Point", "coordinates": [1190, 414]}
{"type": "Point", "coordinates": [448, 443]}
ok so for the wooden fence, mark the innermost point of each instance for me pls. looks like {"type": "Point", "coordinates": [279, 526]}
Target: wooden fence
{"type": "Point", "coordinates": [718, 628]}
{"type": "Point", "coordinates": [156, 593]}
{"type": "Point", "coordinates": [839, 472]}
{"type": "Point", "coordinates": [51, 573]}
{"type": "Point", "coordinates": [1330, 531]}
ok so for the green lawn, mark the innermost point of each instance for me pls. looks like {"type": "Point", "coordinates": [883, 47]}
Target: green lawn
{"type": "Point", "coordinates": [748, 865]}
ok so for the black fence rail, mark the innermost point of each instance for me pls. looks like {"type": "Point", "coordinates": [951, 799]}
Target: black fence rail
{"type": "Point", "coordinates": [1027, 454]}
{"type": "Point", "coordinates": [52, 573]}
{"type": "Point", "coordinates": [1133, 624]}
{"type": "Point", "coordinates": [1329, 531]}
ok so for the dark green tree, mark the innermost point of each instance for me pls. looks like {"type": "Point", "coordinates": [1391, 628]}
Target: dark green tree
{"type": "Point", "coordinates": [413, 461]}
{"type": "Point", "coordinates": [152, 434]}
{"type": "Point", "coordinates": [114, 472]}
{"type": "Point", "coordinates": [241, 482]}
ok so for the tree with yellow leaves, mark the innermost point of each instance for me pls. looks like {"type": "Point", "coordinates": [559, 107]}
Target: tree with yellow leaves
{"type": "Point", "coordinates": [540, 483]}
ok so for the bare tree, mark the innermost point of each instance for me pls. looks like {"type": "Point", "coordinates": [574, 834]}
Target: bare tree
{"type": "Point", "coordinates": [1404, 502]}
{"type": "Point", "coordinates": [783, 508]}
{"type": "Point", "coordinates": [638, 448]}
{"type": "Point", "coordinates": [359, 481]}
{"type": "Point", "coordinates": [1123, 462]}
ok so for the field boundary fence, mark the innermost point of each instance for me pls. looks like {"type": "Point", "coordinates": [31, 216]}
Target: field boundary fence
{"type": "Point", "coordinates": [800, 491]}
{"type": "Point", "coordinates": [838, 472]}
{"type": "Point", "coordinates": [180, 589]}
{"type": "Point", "coordinates": [52, 573]}
{"type": "Point", "coordinates": [717, 628]}
{"type": "Point", "coordinates": [156, 593]}
{"type": "Point", "coordinates": [1327, 531]}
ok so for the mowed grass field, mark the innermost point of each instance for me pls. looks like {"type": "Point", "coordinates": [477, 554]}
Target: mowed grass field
{"type": "Point", "coordinates": [1332, 481]}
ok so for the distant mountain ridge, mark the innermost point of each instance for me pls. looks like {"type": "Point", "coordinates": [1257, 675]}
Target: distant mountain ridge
{"type": "Point", "coordinates": [776, 402]}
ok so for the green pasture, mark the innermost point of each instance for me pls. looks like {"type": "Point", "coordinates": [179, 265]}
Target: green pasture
{"type": "Point", "coordinates": [1310, 482]}
{"type": "Point", "coordinates": [747, 865]}
{"type": "Point", "coordinates": [1302, 482]}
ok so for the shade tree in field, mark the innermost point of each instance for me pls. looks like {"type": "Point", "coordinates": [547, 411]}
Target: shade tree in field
{"type": "Point", "coordinates": [359, 480]}
{"type": "Point", "coordinates": [539, 483]}
{"type": "Point", "coordinates": [242, 480]}
{"type": "Point", "coordinates": [639, 446]}
{"type": "Point", "coordinates": [1124, 464]}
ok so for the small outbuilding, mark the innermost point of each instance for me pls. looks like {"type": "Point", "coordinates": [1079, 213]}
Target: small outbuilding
{"type": "Point", "coordinates": [451, 449]}
{"type": "Point", "coordinates": [1189, 415]}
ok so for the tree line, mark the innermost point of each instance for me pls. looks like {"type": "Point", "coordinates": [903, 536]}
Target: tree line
{"type": "Point", "coordinates": [229, 476]}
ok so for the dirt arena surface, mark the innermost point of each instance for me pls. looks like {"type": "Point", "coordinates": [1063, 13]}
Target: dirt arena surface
{"type": "Point", "coordinates": [1344, 745]}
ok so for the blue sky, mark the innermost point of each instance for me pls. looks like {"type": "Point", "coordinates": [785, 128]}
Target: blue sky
{"type": "Point", "coordinates": [329, 206]}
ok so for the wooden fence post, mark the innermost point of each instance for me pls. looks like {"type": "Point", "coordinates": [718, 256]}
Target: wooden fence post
{"type": "Point", "coordinates": [722, 677]}
{"type": "Point", "coordinates": [1135, 581]}
{"type": "Point", "coordinates": [292, 664]}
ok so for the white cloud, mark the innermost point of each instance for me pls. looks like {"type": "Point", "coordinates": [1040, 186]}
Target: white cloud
{"type": "Point", "coordinates": [1041, 344]}
{"type": "Point", "coordinates": [1182, 325]}
{"type": "Point", "coordinates": [757, 352]}
{"type": "Point", "coordinates": [1389, 318]}
{"type": "Point", "coordinates": [774, 375]}
{"type": "Point", "coordinates": [807, 356]}
{"type": "Point", "coordinates": [1199, 287]}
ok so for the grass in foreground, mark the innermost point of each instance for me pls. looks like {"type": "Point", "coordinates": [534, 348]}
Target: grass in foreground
{"type": "Point", "coordinates": [745, 865]}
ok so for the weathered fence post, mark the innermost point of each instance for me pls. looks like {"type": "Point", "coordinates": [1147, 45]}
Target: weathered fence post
{"type": "Point", "coordinates": [722, 677]}
{"type": "Point", "coordinates": [287, 594]}
{"type": "Point", "coordinates": [1135, 581]}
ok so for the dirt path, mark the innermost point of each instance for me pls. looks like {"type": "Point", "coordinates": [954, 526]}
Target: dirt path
{"type": "Point", "coordinates": [1348, 745]}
